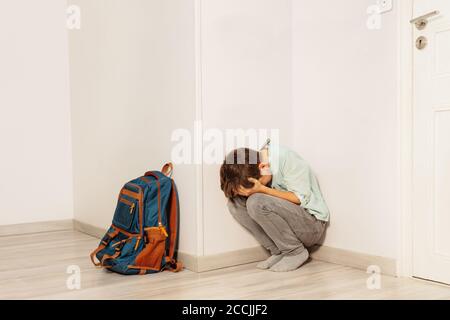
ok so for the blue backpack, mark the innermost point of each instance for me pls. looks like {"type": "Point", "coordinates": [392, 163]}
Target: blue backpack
{"type": "Point", "coordinates": [143, 237]}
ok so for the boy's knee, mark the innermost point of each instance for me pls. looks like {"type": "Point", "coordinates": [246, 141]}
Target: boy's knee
{"type": "Point", "coordinates": [256, 203]}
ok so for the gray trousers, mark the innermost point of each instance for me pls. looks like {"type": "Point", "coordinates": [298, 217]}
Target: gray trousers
{"type": "Point", "coordinates": [280, 226]}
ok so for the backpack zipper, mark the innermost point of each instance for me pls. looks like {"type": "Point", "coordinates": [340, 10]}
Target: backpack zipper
{"type": "Point", "coordinates": [128, 203]}
{"type": "Point", "coordinates": [163, 229]}
{"type": "Point", "coordinates": [138, 239]}
{"type": "Point", "coordinates": [140, 199]}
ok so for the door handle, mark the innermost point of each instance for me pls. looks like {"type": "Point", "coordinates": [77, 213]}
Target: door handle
{"type": "Point", "coordinates": [422, 21]}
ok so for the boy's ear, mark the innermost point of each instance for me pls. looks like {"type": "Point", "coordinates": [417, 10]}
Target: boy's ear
{"type": "Point", "coordinates": [264, 168]}
{"type": "Point", "coordinates": [263, 165]}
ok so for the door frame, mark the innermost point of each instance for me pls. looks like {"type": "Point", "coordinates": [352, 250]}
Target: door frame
{"type": "Point", "coordinates": [405, 141]}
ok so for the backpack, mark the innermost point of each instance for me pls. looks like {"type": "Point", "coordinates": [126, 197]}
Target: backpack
{"type": "Point", "coordinates": [143, 237]}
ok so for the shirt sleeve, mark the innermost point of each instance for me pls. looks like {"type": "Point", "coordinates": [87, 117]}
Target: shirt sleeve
{"type": "Point", "coordinates": [297, 178]}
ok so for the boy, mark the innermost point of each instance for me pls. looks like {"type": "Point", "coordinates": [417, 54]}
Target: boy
{"type": "Point", "coordinates": [274, 195]}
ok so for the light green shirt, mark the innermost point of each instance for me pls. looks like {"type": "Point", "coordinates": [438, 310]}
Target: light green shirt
{"type": "Point", "coordinates": [291, 173]}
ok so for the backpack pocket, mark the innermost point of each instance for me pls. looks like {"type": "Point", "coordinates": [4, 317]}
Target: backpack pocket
{"type": "Point", "coordinates": [151, 257]}
{"type": "Point", "coordinates": [125, 213]}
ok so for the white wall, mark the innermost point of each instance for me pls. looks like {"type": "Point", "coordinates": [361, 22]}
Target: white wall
{"type": "Point", "coordinates": [133, 66]}
{"type": "Point", "coordinates": [35, 163]}
{"type": "Point", "coordinates": [133, 82]}
{"type": "Point", "coordinates": [246, 83]}
{"type": "Point", "coordinates": [319, 75]}
{"type": "Point", "coordinates": [345, 118]}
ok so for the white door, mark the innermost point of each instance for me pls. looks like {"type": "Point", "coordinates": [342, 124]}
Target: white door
{"type": "Point", "coordinates": [432, 144]}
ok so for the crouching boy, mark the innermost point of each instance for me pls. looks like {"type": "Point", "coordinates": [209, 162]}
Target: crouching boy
{"type": "Point", "coordinates": [274, 194]}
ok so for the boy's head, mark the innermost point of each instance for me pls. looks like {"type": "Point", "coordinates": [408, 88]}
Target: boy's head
{"type": "Point", "coordinates": [240, 165]}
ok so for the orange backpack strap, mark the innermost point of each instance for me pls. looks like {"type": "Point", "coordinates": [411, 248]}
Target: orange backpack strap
{"type": "Point", "coordinates": [175, 266]}
{"type": "Point", "coordinates": [97, 264]}
{"type": "Point", "coordinates": [173, 221]}
{"type": "Point", "coordinates": [103, 246]}
{"type": "Point", "coordinates": [171, 263]}
{"type": "Point", "coordinates": [108, 257]}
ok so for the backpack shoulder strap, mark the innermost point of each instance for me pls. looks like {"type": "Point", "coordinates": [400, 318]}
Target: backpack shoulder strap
{"type": "Point", "coordinates": [176, 266]}
{"type": "Point", "coordinates": [173, 223]}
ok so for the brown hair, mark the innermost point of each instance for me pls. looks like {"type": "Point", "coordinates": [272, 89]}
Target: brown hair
{"type": "Point", "coordinates": [238, 166]}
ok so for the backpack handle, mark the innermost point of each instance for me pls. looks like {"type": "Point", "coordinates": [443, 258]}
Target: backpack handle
{"type": "Point", "coordinates": [167, 169]}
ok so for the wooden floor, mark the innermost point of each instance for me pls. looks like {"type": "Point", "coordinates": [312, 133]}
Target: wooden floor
{"type": "Point", "coordinates": [33, 266]}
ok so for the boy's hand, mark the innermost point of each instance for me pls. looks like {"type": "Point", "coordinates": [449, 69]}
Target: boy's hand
{"type": "Point", "coordinates": [258, 187]}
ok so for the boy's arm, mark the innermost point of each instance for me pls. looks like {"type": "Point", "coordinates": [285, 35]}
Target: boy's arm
{"type": "Point", "coordinates": [260, 188]}
{"type": "Point", "coordinates": [286, 195]}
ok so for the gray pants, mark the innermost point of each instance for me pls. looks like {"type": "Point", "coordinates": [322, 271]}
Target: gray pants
{"type": "Point", "coordinates": [278, 225]}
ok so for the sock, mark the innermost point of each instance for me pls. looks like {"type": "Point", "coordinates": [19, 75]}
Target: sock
{"type": "Point", "coordinates": [266, 264]}
{"type": "Point", "coordinates": [290, 263]}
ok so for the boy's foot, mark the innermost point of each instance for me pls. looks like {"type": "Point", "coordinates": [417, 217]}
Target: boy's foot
{"type": "Point", "coordinates": [266, 264]}
{"type": "Point", "coordinates": [290, 263]}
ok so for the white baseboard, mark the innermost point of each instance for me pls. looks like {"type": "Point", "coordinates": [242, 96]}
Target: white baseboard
{"type": "Point", "coordinates": [250, 255]}
{"type": "Point", "coordinates": [388, 266]}
{"type": "Point", "coordinates": [322, 253]}
{"type": "Point", "coordinates": [36, 227]}
{"type": "Point", "coordinates": [89, 229]}
{"type": "Point", "coordinates": [222, 260]}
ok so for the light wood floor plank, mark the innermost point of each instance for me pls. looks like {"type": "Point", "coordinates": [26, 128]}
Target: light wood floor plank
{"type": "Point", "coordinates": [33, 266]}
